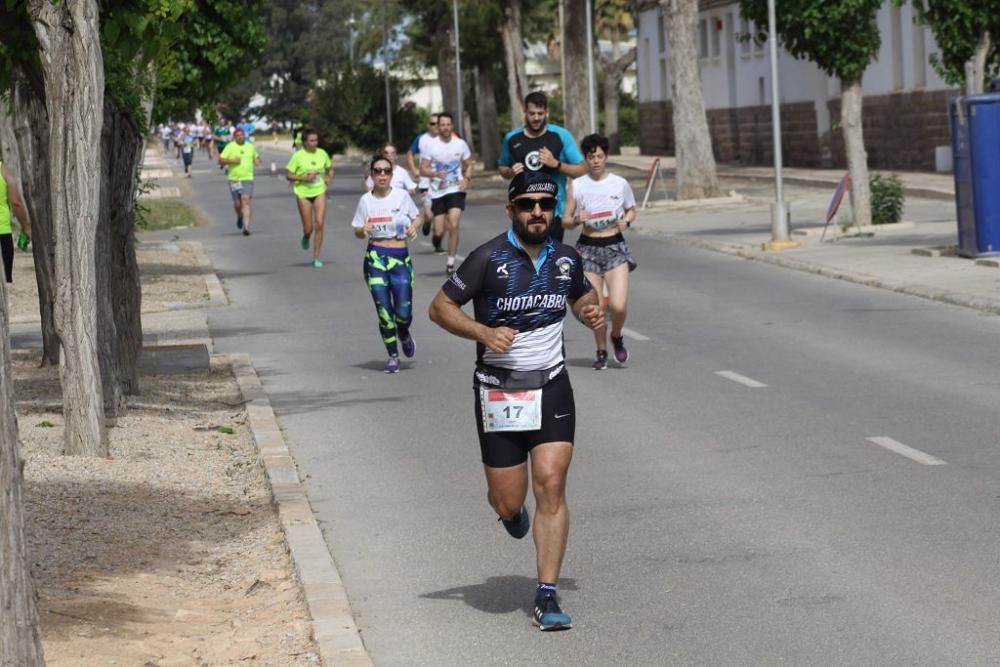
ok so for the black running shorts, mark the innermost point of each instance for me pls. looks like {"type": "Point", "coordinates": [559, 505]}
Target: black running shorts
{"type": "Point", "coordinates": [442, 205]}
{"type": "Point", "coordinates": [7, 248]}
{"type": "Point", "coordinates": [510, 448]}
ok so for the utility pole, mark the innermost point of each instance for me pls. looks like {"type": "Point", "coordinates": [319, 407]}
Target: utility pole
{"type": "Point", "coordinates": [458, 75]}
{"type": "Point", "coordinates": [779, 209]}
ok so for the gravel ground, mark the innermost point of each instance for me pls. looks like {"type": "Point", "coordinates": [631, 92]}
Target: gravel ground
{"type": "Point", "coordinates": [170, 279]}
{"type": "Point", "coordinates": [169, 552]}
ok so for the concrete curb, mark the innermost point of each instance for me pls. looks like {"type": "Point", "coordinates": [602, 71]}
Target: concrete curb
{"type": "Point", "coordinates": [216, 295]}
{"type": "Point", "coordinates": [333, 626]}
{"type": "Point", "coordinates": [909, 190]}
{"type": "Point", "coordinates": [922, 291]}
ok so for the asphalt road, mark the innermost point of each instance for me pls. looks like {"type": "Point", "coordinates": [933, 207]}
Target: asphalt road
{"type": "Point", "coordinates": [715, 521]}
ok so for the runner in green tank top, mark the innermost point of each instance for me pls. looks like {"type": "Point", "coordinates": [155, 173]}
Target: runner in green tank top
{"type": "Point", "coordinates": [10, 200]}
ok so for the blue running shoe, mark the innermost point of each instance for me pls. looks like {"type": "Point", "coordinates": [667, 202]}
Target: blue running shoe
{"type": "Point", "coordinates": [548, 616]}
{"type": "Point", "coordinates": [392, 366]}
{"type": "Point", "coordinates": [519, 526]}
{"type": "Point", "coordinates": [409, 345]}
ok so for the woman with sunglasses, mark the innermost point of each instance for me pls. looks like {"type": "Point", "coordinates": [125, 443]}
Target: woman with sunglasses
{"type": "Point", "coordinates": [605, 206]}
{"type": "Point", "coordinates": [387, 217]}
{"type": "Point", "coordinates": [400, 176]}
{"type": "Point", "coordinates": [310, 172]}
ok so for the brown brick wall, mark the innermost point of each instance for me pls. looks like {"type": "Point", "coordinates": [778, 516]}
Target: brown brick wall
{"type": "Point", "coordinates": [901, 130]}
{"type": "Point", "coordinates": [656, 128]}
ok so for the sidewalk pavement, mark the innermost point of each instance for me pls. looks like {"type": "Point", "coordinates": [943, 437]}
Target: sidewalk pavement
{"type": "Point", "coordinates": [915, 258]}
{"type": "Point", "coordinates": [915, 183]}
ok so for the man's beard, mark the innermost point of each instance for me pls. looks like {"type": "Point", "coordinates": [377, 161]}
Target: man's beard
{"type": "Point", "coordinates": [526, 236]}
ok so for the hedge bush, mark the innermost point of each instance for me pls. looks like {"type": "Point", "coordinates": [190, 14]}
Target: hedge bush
{"type": "Point", "coordinates": [887, 199]}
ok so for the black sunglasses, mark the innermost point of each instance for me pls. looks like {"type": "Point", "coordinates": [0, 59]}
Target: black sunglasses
{"type": "Point", "coordinates": [528, 205]}
{"type": "Point", "coordinates": [385, 171]}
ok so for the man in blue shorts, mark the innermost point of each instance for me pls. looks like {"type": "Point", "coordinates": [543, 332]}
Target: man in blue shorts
{"type": "Point", "coordinates": [521, 283]}
{"type": "Point", "coordinates": [542, 146]}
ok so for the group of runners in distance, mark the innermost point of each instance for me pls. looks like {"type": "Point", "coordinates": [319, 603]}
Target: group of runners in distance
{"type": "Point", "coordinates": [521, 284]}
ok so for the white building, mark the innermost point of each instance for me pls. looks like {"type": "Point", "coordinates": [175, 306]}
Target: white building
{"type": "Point", "coordinates": [905, 105]}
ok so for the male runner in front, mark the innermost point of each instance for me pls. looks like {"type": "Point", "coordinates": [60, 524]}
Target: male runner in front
{"type": "Point", "coordinates": [447, 161]}
{"type": "Point", "coordinates": [241, 157]}
{"type": "Point", "coordinates": [542, 146]}
{"type": "Point", "coordinates": [423, 183]}
{"type": "Point", "coordinates": [520, 283]}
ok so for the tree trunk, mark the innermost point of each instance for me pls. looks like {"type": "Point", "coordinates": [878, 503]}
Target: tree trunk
{"type": "Point", "coordinates": [28, 152]}
{"type": "Point", "coordinates": [577, 102]}
{"type": "Point", "coordinates": [74, 91]}
{"type": "Point", "coordinates": [614, 72]}
{"type": "Point", "coordinates": [696, 177]}
{"type": "Point", "coordinates": [857, 158]}
{"type": "Point", "coordinates": [975, 68]}
{"type": "Point", "coordinates": [446, 77]}
{"type": "Point", "coordinates": [517, 75]}
{"type": "Point", "coordinates": [486, 113]}
{"type": "Point", "coordinates": [119, 293]}
{"type": "Point", "coordinates": [20, 641]}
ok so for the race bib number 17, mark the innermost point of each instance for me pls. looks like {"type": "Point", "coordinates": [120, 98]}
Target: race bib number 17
{"type": "Point", "coordinates": [511, 410]}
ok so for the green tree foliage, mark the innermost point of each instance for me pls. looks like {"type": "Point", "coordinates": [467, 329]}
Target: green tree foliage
{"type": "Point", "coordinates": [350, 110]}
{"type": "Point", "coordinates": [957, 25]}
{"type": "Point", "coordinates": [218, 42]}
{"type": "Point", "coordinates": [840, 36]}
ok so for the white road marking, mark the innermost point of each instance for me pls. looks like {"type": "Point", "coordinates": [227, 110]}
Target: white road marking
{"type": "Point", "coordinates": [741, 379]}
{"type": "Point", "coordinates": [907, 451]}
{"type": "Point", "coordinates": [634, 334]}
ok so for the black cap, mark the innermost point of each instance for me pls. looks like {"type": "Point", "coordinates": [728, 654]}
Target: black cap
{"type": "Point", "coordinates": [528, 182]}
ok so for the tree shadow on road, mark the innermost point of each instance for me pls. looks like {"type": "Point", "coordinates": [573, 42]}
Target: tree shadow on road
{"type": "Point", "coordinates": [497, 595]}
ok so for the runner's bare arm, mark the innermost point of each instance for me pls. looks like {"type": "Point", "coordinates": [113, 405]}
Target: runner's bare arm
{"type": "Point", "coordinates": [449, 316]}
{"type": "Point", "coordinates": [412, 165]}
{"type": "Point", "coordinates": [466, 172]}
{"type": "Point", "coordinates": [427, 170]}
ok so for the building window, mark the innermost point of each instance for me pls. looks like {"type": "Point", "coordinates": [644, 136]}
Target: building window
{"type": "Point", "coordinates": [703, 38]}
{"type": "Point", "coordinates": [919, 55]}
{"type": "Point", "coordinates": [660, 32]}
{"type": "Point", "coordinates": [745, 36]}
{"type": "Point", "coordinates": [896, 44]}
{"type": "Point", "coordinates": [715, 27]}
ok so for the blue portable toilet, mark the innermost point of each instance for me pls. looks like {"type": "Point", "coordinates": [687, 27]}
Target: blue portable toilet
{"type": "Point", "coordinates": [975, 141]}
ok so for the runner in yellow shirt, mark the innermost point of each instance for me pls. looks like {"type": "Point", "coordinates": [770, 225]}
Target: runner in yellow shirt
{"type": "Point", "coordinates": [310, 172]}
{"type": "Point", "coordinates": [10, 200]}
{"type": "Point", "coordinates": [241, 156]}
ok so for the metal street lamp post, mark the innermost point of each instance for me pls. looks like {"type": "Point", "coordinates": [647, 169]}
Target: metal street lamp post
{"type": "Point", "coordinates": [779, 209]}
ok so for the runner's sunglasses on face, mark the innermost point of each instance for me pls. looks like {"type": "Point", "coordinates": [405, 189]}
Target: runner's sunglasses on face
{"type": "Point", "coordinates": [528, 205]}
{"type": "Point", "coordinates": [383, 171]}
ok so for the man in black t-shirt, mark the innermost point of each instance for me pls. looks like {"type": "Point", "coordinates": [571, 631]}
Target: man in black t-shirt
{"type": "Point", "coordinates": [542, 146]}
{"type": "Point", "coordinates": [521, 284]}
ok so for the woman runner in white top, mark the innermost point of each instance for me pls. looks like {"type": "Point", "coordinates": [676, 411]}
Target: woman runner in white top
{"type": "Point", "coordinates": [387, 217]}
{"type": "Point", "coordinates": [605, 206]}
